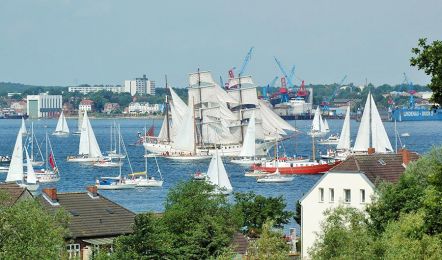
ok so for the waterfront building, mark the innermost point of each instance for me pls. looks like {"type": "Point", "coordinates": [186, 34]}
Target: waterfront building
{"type": "Point", "coordinates": [94, 223]}
{"type": "Point", "coordinates": [44, 105]}
{"type": "Point", "coordinates": [143, 108]}
{"type": "Point", "coordinates": [141, 86]}
{"type": "Point", "coordinates": [19, 107]}
{"type": "Point", "coordinates": [350, 184]}
{"type": "Point", "coordinates": [86, 105]}
{"type": "Point", "coordinates": [85, 89]}
{"type": "Point", "coordinates": [111, 107]}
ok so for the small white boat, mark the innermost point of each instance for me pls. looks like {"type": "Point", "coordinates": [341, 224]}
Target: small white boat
{"type": "Point", "coordinates": [62, 128]}
{"type": "Point", "coordinates": [50, 173]}
{"type": "Point", "coordinates": [217, 175]}
{"type": "Point", "coordinates": [256, 173]}
{"type": "Point", "coordinates": [274, 178]}
{"type": "Point", "coordinates": [405, 134]}
{"type": "Point", "coordinates": [107, 163]}
{"type": "Point", "coordinates": [248, 150]}
{"type": "Point", "coordinates": [141, 179]}
{"type": "Point", "coordinates": [4, 169]}
{"type": "Point", "coordinates": [331, 140]}
{"type": "Point", "coordinates": [319, 127]}
{"type": "Point", "coordinates": [35, 150]}
{"type": "Point", "coordinates": [113, 183]}
{"type": "Point", "coordinates": [199, 176]}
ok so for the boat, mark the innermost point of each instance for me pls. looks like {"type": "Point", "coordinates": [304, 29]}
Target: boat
{"type": "Point", "coordinates": [16, 172]}
{"type": "Point", "coordinates": [371, 132]}
{"type": "Point", "coordinates": [89, 150]}
{"type": "Point", "coordinates": [343, 147]}
{"type": "Point", "coordinates": [50, 173]}
{"type": "Point", "coordinates": [5, 159]}
{"type": "Point", "coordinates": [405, 135]}
{"type": "Point", "coordinates": [23, 130]}
{"type": "Point", "coordinates": [80, 123]}
{"type": "Point", "coordinates": [331, 140]}
{"type": "Point", "coordinates": [141, 179]}
{"type": "Point", "coordinates": [4, 169]}
{"type": "Point", "coordinates": [107, 162]}
{"type": "Point", "coordinates": [256, 173]}
{"type": "Point", "coordinates": [113, 183]}
{"type": "Point", "coordinates": [219, 118]}
{"type": "Point", "coordinates": [62, 128]}
{"type": "Point", "coordinates": [199, 176]}
{"type": "Point", "coordinates": [217, 175]}
{"type": "Point", "coordinates": [32, 143]}
{"type": "Point", "coordinates": [326, 127]}
{"type": "Point", "coordinates": [318, 126]}
{"type": "Point", "coordinates": [275, 177]}
{"type": "Point", "coordinates": [311, 167]}
{"type": "Point", "coordinates": [115, 147]}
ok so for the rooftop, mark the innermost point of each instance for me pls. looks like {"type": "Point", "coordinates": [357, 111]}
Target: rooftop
{"type": "Point", "coordinates": [13, 193]}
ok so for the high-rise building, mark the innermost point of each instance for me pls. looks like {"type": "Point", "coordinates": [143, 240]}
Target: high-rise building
{"type": "Point", "coordinates": [140, 86]}
{"type": "Point", "coordinates": [44, 105]}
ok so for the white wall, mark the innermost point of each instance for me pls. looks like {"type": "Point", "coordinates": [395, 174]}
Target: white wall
{"type": "Point", "coordinates": [313, 210]}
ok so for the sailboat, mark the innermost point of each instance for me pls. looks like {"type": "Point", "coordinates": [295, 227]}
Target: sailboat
{"type": "Point", "coordinates": [343, 147]}
{"type": "Point", "coordinates": [109, 162]}
{"type": "Point", "coordinates": [141, 179]}
{"type": "Point", "coordinates": [23, 130]}
{"type": "Point", "coordinates": [50, 173]}
{"type": "Point", "coordinates": [62, 128]}
{"type": "Point", "coordinates": [248, 150]}
{"type": "Point", "coordinates": [32, 142]}
{"type": "Point", "coordinates": [217, 175]}
{"type": "Point", "coordinates": [318, 126]}
{"type": "Point", "coordinates": [88, 150]}
{"type": "Point", "coordinates": [326, 127]}
{"type": "Point", "coordinates": [80, 123]}
{"type": "Point", "coordinates": [371, 133]}
{"type": "Point", "coordinates": [15, 171]}
{"type": "Point", "coordinates": [275, 177]}
{"type": "Point", "coordinates": [115, 147]}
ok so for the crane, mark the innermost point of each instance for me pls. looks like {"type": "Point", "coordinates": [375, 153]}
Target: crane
{"type": "Point", "coordinates": [265, 89]}
{"type": "Point", "coordinates": [246, 61]}
{"type": "Point", "coordinates": [410, 91]}
{"type": "Point", "coordinates": [326, 100]}
{"type": "Point", "coordinates": [281, 68]}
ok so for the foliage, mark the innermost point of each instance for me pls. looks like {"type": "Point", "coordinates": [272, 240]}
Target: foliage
{"type": "Point", "coordinates": [428, 57]}
{"type": "Point", "coordinates": [270, 244]}
{"type": "Point", "coordinates": [257, 209]}
{"type": "Point", "coordinates": [29, 232]}
{"type": "Point", "coordinates": [298, 214]}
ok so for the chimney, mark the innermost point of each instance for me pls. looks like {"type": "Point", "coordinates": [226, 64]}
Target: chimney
{"type": "Point", "coordinates": [92, 191]}
{"type": "Point", "coordinates": [371, 150]}
{"type": "Point", "coordinates": [51, 194]}
{"type": "Point", "coordinates": [405, 156]}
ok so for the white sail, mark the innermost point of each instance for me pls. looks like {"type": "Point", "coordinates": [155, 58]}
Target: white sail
{"type": "Point", "coordinates": [65, 124]}
{"type": "Point", "coordinates": [15, 171]}
{"type": "Point", "coordinates": [344, 139]}
{"type": "Point", "coordinates": [362, 142]}
{"type": "Point", "coordinates": [62, 125]}
{"type": "Point", "coordinates": [217, 175]}
{"type": "Point", "coordinates": [326, 127]}
{"type": "Point", "coordinates": [178, 103]}
{"type": "Point", "coordinates": [88, 142]}
{"type": "Point", "coordinates": [273, 118]}
{"type": "Point", "coordinates": [31, 178]}
{"type": "Point", "coordinates": [185, 137]}
{"type": "Point", "coordinates": [162, 136]}
{"type": "Point", "coordinates": [322, 125]}
{"type": "Point", "coordinates": [249, 146]}
{"type": "Point", "coordinates": [316, 125]}
{"type": "Point", "coordinates": [380, 140]}
{"type": "Point", "coordinates": [80, 120]}
{"type": "Point", "coordinates": [23, 130]}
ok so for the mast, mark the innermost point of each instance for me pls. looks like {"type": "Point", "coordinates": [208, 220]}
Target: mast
{"type": "Point", "coordinates": [370, 132]}
{"type": "Point", "coordinates": [201, 111]}
{"type": "Point", "coordinates": [32, 141]}
{"type": "Point", "coordinates": [111, 137]}
{"type": "Point", "coordinates": [46, 144]}
{"type": "Point", "coordinates": [395, 134]}
{"type": "Point", "coordinates": [240, 108]}
{"type": "Point", "coordinates": [167, 113]}
{"type": "Point", "coordinates": [194, 126]}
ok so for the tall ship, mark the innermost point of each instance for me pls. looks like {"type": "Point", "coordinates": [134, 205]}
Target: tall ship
{"type": "Point", "coordinates": [216, 118]}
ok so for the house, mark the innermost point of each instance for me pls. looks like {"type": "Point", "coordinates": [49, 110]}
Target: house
{"type": "Point", "coordinates": [94, 220]}
{"type": "Point", "coordinates": [20, 107]}
{"type": "Point", "coordinates": [11, 193]}
{"type": "Point", "coordinates": [111, 107]}
{"type": "Point", "coordinates": [143, 108]}
{"type": "Point", "coordinates": [86, 105]}
{"type": "Point", "coordinates": [351, 184]}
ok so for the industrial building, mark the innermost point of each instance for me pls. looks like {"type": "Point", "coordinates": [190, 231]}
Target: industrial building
{"type": "Point", "coordinates": [44, 105]}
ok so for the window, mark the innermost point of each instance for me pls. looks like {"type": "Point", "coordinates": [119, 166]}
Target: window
{"type": "Point", "coordinates": [332, 195]}
{"type": "Point", "coordinates": [347, 195]}
{"type": "Point", "coordinates": [73, 251]}
{"type": "Point", "coordinates": [362, 196]}
{"type": "Point", "coordinates": [321, 194]}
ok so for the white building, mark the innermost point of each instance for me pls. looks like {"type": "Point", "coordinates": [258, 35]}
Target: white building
{"type": "Point", "coordinates": [142, 108]}
{"type": "Point", "coordinates": [86, 105]}
{"type": "Point", "coordinates": [89, 89]}
{"type": "Point", "coordinates": [44, 105]}
{"type": "Point", "coordinates": [140, 86]}
{"type": "Point", "coordinates": [350, 184]}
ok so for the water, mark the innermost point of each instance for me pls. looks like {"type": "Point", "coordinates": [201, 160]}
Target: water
{"type": "Point", "coordinates": [75, 177]}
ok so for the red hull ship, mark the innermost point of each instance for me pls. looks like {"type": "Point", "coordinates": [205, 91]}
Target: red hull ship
{"type": "Point", "coordinates": [295, 168]}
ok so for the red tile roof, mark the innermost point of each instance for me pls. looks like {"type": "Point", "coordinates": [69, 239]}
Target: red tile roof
{"type": "Point", "coordinates": [377, 167]}
{"type": "Point", "coordinates": [87, 102]}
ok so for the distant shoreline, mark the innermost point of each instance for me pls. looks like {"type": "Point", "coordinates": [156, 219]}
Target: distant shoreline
{"type": "Point", "coordinates": [118, 117]}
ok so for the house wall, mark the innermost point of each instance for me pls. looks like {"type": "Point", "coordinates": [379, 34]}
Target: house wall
{"type": "Point", "coordinates": [313, 209]}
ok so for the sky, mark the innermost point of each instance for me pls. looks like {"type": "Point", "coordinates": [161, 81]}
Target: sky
{"type": "Point", "coordinates": [71, 42]}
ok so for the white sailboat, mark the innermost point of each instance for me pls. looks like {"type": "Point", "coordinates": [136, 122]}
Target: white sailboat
{"type": "Point", "coordinates": [343, 148]}
{"type": "Point", "coordinates": [89, 150]}
{"type": "Point", "coordinates": [142, 179]}
{"type": "Point", "coordinates": [318, 126]}
{"type": "Point", "coordinates": [23, 130]}
{"type": "Point", "coordinates": [276, 176]}
{"type": "Point", "coordinates": [326, 127]}
{"type": "Point", "coordinates": [217, 175]}
{"type": "Point", "coordinates": [50, 173]}
{"type": "Point", "coordinates": [113, 154]}
{"type": "Point", "coordinates": [248, 150]}
{"type": "Point", "coordinates": [15, 171]}
{"type": "Point", "coordinates": [371, 133]}
{"type": "Point", "coordinates": [62, 128]}
{"type": "Point", "coordinates": [115, 147]}
{"type": "Point", "coordinates": [80, 123]}
{"type": "Point", "coordinates": [36, 156]}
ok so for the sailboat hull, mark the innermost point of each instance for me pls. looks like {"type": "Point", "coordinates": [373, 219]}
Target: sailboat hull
{"type": "Point", "coordinates": [61, 134]}
{"type": "Point", "coordinates": [83, 159]}
{"type": "Point", "coordinates": [300, 168]}
{"type": "Point", "coordinates": [116, 186]}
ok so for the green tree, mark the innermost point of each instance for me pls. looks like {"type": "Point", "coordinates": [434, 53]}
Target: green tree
{"type": "Point", "coordinates": [29, 232]}
{"type": "Point", "coordinates": [428, 57]}
{"type": "Point", "coordinates": [257, 209]}
{"type": "Point", "coordinates": [270, 244]}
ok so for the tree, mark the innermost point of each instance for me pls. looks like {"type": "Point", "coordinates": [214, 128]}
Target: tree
{"type": "Point", "coordinates": [29, 232]}
{"type": "Point", "coordinates": [257, 209]}
{"type": "Point", "coordinates": [270, 245]}
{"type": "Point", "coordinates": [429, 58]}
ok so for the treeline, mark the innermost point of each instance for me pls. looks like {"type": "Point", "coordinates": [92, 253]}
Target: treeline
{"type": "Point", "coordinates": [403, 222]}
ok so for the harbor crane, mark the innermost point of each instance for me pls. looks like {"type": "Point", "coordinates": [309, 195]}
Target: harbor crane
{"type": "Point", "coordinates": [287, 77]}
{"type": "Point", "coordinates": [410, 91]}
{"type": "Point", "coordinates": [326, 100]}
{"type": "Point", "coordinates": [265, 89]}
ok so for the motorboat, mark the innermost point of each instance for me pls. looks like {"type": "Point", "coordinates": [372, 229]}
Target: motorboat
{"type": "Point", "coordinates": [113, 183]}
{"type": "Point", "coordinates": [276, 177]}
{"type": "Point", "coordinates": [331, 140]}
{"type": "Point", "coordinates": [310, 167]}
{"type": "Point", "coordinates": [107, 163]}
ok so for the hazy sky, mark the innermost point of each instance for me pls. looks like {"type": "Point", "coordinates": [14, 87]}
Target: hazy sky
{"type": "Point", "coordinates": [68, 42]}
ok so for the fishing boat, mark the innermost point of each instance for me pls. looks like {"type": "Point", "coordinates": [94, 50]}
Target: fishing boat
{"type": "Point", "coordinates": [275, 177]}
{"type": "Point", "coordinates": [50, 173]}
{"type": "Point", "coordinates": [88, 150]}
{"type": "Point", "coordinates": [23, 130]}
{"type": "Point", "coordinates": [311, 167]}
{"type": "Point", "coordinates": [371, 132]}
{"type": "Point", "coordinates": [141, 179]}
{"type": "Point", "coordinates": [36, 156]}
{"type": "Point", "coordinates": [62, 128]}
{"type": "Point", "coordinates": [16, 172]}
{"type": "Point", "coordinates": [217, 175]}
{"type": "Point", "coordinates": [331, 140]}
{"type": "Point", "coordinates": [318, 126]}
